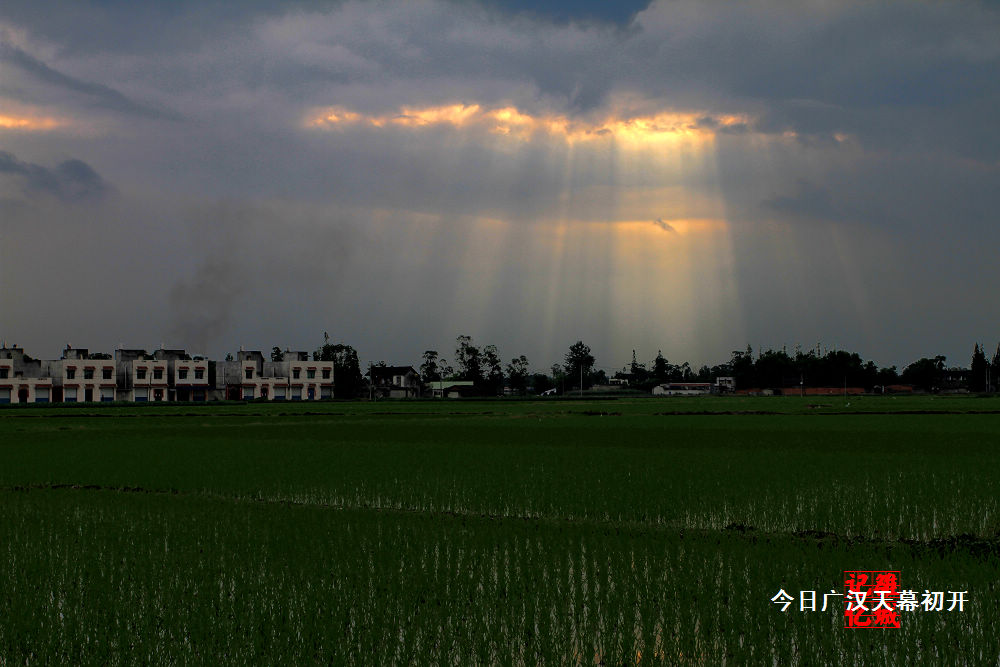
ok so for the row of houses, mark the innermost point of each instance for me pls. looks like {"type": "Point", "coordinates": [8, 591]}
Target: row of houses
{"type": "Point", "coordinates": [160, 376]}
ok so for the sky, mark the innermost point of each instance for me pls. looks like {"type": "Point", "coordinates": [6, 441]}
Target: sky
{"type": "Point", "coordinates": [681, 176]}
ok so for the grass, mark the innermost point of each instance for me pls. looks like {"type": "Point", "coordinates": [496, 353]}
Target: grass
{"type": "Point", "coordinates": [526, 532]}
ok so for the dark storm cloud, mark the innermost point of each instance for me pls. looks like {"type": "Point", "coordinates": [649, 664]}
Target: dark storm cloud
{"type": "Point", "coordinates": [71, 180]}
{"type": "Point", "coordinates": [891, 73]}
{"type": "Point", "coordinates": [98, 94]}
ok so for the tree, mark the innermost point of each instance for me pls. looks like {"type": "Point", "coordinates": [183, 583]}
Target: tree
{"type": "Point", "coordinates": [886, 376]}
{"type": "Point", "coordinates": [925, 373]}
{"type": "Point", "coordinates": [994, 369]}
{"type": "Point", "coordinates": [558, 378]}
{"type": "Point", "coordinates": [347, 379]}
{"type": "Point", "coordinates": [493, 370]}
{"type": "Point", "coordinates": [638, 372]}
{"type": "Point", "coordinates": [277, 354]}
{"type": "Point", "coordinates": [229, 356]}
{"type": "Point", "coordinates": [517, 374]}
{"type": "Point", "coordinates": [978, 370]}
{"type": "Point", "coordinates": [578, 363]}
{"type": "Point", "coordinates": [469, 360]}
{"type": "Point", "coordinates": [661, 367]}
{"type": "Point", "coordinates": [541, 382]}
{"type": "Point", "coordinates": [774, 368]}
{"type": "Point", "coordinates": [429, 370]}
{"type": "Point", "coordinates": [742, 365]}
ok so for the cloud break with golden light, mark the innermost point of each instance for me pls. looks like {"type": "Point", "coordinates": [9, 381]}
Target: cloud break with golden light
{"type": "Point", "coordinates": [28, 123]}
{"type": "Point", "coordinates": [509, 121]}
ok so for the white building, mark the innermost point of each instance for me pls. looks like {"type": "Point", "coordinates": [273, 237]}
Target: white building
{"type": "Point", "coordinates": [295, 378]}
{"type": "Point", "coordinates": [161, 376]}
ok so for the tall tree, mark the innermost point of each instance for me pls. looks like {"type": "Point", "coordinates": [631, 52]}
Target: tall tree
{"type": "Point", "coordinates": [994, 369]}
{"type": "Point", "coordinates": [558, 378]}
{"type": "Point", "coordinates": [347, 379]}
{"type": "Point", "coordinates": [661, 367]}
{"type": "Point", "coordinates": [744, 373]}
{"type": "Point", "coordinates": [469, 360]}
{"type": "Point", "coordinates": [978, 370]}
{"type": "Point", "coordinates": [517, 374]}
{"type": "Point", "coordinates": [277, 354]}
{"type": "Point", "coordinates": [429, 370]}
{"type": "Point", "coordinates": [492, 370]}
{"type": "Point", "coordinates": [638, 372]}
{"type": "Point", "coordinates": [578, 363]}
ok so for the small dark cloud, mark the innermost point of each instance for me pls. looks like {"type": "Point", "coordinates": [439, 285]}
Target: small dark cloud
{"type": "Point", "coordinates": [71, 181]}
{"type": "Point", "coordinates": [808, 201]}
{"type": "Point", "coordinates": [620, 12]}
{"type": "Point", "coordinates": [707, 122]}
{"type": "Point", "coordinates": [103, 96]}
{"type": "Point", "coordinates": [664, 225]}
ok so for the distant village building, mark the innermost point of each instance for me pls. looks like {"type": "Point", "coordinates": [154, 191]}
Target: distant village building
{"type": "Point", "coordinates": [395, 381]}
{"type": "Point", "coordinates": [22, 379]}
{"type": "Point", "coordinates": [725, 384]}
{"type": "Point", "coordinates": [452, 388]}
{"type": "Point", "coordinates": [165, 375]}
{"type": "Point", "coordinates": [295, 378]}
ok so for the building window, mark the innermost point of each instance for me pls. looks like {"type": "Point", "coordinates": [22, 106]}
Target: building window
{"type": "Point", "coordinates": [107, 394]}
{"type": "Point", "coordinates": [88, 373]}
{"type": "Point", "coordinates": [296, 393]}
{"type": "Point", "coordinates": [141, 395]}
{"type": "Point", "coordinates": [199, 374]}
{"type": "Point", "coordinates": [249, 372]}
{"type": "Point", "coordinates": [311, 374]}
{"type": "Point", "coordinates": [248, 393]}
{"type": "Point", "coordinates": [182, 375]}
{"type": "Point", "coordinates": [70, 373]}
{"type": "Point", "coordinates": [69, 395]}
{"type": "Point", "coordinates": [295, 373]}
{"type": "Point", "coordinates": [326, 373]}
{"type": "Point", "coordinates": [106, 374]}
{"type": "Point", "coordinates": [157, 373]}
{"type": "Point", "coordinates": [41, 395]}
{"type": "Point", "coordinates": [4, 372]}
{"type": "Point", "coordinates": [140, 373]}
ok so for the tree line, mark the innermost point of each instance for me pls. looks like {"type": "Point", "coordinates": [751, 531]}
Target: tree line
{"type": "Point", "coordinates": [490, 375]}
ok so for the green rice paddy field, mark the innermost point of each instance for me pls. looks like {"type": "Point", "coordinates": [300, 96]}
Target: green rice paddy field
{"type": "Point", "coordinates": [494, 532]}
